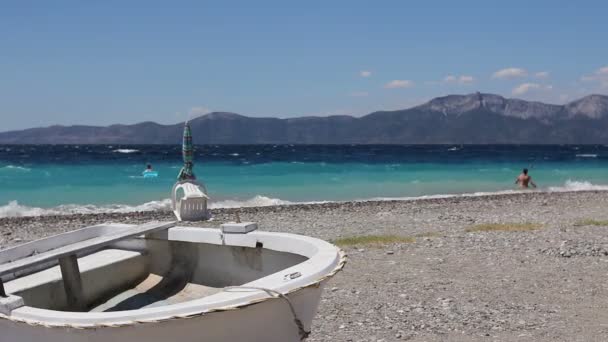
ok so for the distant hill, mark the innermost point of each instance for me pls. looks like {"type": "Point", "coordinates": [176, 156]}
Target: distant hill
{"type": "Point", "coordinates": [455, 119]}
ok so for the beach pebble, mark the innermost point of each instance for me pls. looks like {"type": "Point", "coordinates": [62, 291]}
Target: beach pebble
{"type": "Point", "coordinates": [449, 285]}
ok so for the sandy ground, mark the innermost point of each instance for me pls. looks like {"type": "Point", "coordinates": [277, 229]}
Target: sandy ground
{"type": "Point", "coordinates": [546, 284]}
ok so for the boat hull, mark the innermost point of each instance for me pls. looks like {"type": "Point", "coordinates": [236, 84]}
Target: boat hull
{"type": "Point", "coordinates": [264, 287]}
{"type": "Point", "coordinates": [267, 321]}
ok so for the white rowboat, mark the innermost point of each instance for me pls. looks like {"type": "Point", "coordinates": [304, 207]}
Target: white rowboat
{"type": "Point", "coordinates": [160, 282]}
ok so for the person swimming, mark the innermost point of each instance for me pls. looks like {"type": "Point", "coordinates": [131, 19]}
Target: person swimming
{"type": "Point", "coordinates": [149, 172]}
{"type": "Point", "coordinates": [523, 180]}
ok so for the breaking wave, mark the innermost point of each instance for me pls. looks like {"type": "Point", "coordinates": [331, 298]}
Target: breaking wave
{"type": "Point", "coordinates": [569, 186]}
{"type": "Point", "coordinates": [257, 201]}
{"type": "Point", "coordinates": [16, 168]}
{"type": "Point", "coordinates": [587, 155]}
{"type": "Point", "coordinates": [443, 196]}
{"type": "Point", "coordinates": [14, 209]}
{"type": "Point", "coordinates": [125, 150]}
{"type": "Point", "coordinates": [572, 185]}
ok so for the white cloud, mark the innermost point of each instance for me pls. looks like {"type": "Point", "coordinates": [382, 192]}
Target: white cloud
{"type": "Point", "coordinates": [198, 111]}
{"type": "Point", "coordinates": [600, 76]}
{"type": "Point", "coordinates": [450, 79]}
{"type": "Point", "coordinates": [365, 73]}
{"type": "Point", "coordinates": [542, 74]}
{"type": "Point", "coordinates": [399, 84]}
{"type": "Point", "coordinates": [359, 94]}
{"type": "Point", "coordinates": [465, 79]}
{"type": "Point", "coordinates": [525, 88]}
{"type": "Point", "coordinates": [510, 73]}
{"type": "Point", "coordinates": [462, 79]}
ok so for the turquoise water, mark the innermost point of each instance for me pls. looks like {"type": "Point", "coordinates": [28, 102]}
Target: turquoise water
{"type": "Point", "coordinates": [81, 182]}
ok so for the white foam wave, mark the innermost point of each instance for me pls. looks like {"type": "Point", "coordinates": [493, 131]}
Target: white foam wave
{"type": "Point", "coordinates": [572, 185]}
{"type": "Point", "coordinates": [16, 168]}
{"type": "Point", "coordinates": [586, 155]}
{"type": "Point", "coordinates": [442, 196]}
{"type": "Point", "coordinates": [569, 186]}
{"type": "Point", "coordinates": [125, 150]}
{"type": "Point", "coordinates": [454, 148]}
{"type": "Point", "coordinates": [257, 201]}
{"type": "Point", "coordinates": [14, 209]}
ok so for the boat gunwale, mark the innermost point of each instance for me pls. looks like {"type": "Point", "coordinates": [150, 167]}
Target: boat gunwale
{"type": "Point", "coordinates": [325, 261]}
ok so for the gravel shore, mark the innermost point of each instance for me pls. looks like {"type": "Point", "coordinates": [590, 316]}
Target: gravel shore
{"type": "Point", "coordinates": [450, 284]}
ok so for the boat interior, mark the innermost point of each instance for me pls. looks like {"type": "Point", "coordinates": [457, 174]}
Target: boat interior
{"type": "Point", "coordinates": [137, 272]}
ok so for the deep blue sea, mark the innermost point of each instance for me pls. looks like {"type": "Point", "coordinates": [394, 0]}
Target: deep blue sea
{"type": "Point", "coordinates": [36, 180]}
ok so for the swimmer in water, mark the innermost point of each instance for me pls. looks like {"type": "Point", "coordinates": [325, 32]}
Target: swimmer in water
{"type": "Point", "coordinates": [523, 180]}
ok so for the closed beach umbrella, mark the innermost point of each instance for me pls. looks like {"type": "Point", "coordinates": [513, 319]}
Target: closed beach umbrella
{"type": "Point", "coordinates": [186, 172]}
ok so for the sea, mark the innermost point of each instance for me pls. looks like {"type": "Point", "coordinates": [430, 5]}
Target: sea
{"type": "Point", "coordinates": [68, 179]}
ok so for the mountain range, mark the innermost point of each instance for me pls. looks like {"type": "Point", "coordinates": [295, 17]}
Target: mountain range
{"type": "Point", "coordinates": [454, 119]}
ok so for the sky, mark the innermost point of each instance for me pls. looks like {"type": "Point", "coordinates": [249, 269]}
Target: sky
{"type": "Point", "coordinates": [106, 62]}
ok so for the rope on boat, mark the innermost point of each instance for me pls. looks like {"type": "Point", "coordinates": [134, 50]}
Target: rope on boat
{"type": "Point", "coordinates": [276, 294]}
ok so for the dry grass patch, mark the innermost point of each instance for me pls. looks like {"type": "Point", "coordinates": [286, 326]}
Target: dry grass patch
{"type": "Point", "coordinates": [370, 240]}
{"type": "Point", "coordinates": [428, 235]}
{"type": "Point", "coordinates": [504, 227]}
{"type": "Point", "coordinates": [590, 222]}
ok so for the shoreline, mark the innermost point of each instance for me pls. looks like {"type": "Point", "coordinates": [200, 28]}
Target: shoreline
{"type": "Point", "coordinates": [317, 204]}
{"type": "Point", "coordinates": [20, 229]}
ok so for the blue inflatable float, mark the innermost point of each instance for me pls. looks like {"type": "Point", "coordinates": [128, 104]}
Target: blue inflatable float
{"type": "Point", "coordinates": [150, 174]}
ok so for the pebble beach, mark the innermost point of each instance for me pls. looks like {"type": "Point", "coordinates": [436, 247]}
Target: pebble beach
{"type": "Point", "coordinates": [517, 267]}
